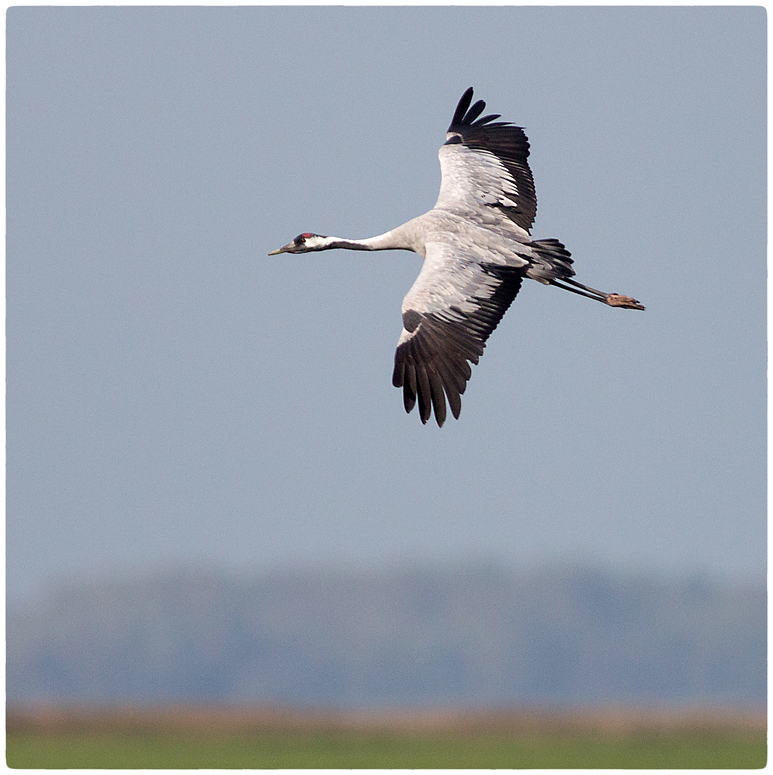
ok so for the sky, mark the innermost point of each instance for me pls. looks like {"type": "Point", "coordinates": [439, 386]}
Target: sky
{"type": "Point", "coordinates": [176, 397]}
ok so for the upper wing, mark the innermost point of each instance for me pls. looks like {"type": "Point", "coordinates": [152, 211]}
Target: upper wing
{"type": "Point", "coordinates": [484, 165]}
{"type": "Point", "coordinates": [448, 314]}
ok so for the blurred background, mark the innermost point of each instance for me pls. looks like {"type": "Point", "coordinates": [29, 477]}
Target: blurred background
{"type": "Point", "coordinates": [213, 491]}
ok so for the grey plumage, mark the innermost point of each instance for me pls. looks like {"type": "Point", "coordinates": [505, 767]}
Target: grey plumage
{"type": "Point", "coordinates": [477, 249]}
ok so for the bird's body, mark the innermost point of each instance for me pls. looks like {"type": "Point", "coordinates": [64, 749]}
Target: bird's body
{"type": "Point", "coordinates": [477, 249]}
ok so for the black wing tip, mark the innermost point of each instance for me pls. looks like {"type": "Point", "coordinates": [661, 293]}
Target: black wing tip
{"type": "Point", "coordinates": [429, 378]}
{"type": "Point", "coordinates": [427, 405]}
{"type": "Point", "coordinates": [461, 108]}
{"type": "Point", "coordinates": [464, 115]}
{"type": "Point", "coordinates": [428, 388]}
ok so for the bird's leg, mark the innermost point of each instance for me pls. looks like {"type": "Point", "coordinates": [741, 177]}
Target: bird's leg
{"type": "Point", "coordinates": [612, 299]}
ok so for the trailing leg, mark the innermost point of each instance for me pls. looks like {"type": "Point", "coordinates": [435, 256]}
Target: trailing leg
{"type": "Point", "coordinates": [612, 299]}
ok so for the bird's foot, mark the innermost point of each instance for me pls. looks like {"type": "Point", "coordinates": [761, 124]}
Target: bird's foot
{"type": "Point", "coordinates": [627, 302]}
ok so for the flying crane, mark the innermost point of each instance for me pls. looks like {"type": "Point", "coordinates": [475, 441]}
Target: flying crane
{"type": "Point", "coordinates": [477, 249]}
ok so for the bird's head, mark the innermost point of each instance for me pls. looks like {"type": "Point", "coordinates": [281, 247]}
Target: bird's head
{"type": "Point", "coordinates": [304, 243]}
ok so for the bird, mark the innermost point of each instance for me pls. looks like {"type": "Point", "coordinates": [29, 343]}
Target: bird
{"type": "Point", "coordinates": [476, 248]}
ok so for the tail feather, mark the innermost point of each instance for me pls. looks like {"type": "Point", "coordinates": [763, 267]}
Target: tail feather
{"type": "Point", "coordinates": [552, 261]}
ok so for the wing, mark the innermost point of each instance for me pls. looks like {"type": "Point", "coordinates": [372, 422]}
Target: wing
{"type": "Point", "coordinates": [485, 168]}
{"type": "Point", "coordinates": [448, 314]}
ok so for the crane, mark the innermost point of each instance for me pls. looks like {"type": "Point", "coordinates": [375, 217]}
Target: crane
{"type": "Point", "coordinates": [477, 249]}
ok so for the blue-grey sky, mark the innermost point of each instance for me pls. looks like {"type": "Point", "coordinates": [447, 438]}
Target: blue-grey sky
{"type": "Point", "coordinates": [175, 396]}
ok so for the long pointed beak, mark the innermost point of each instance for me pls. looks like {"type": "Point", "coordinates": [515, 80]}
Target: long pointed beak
{"type": "Point", "coordinates": [283, 249]}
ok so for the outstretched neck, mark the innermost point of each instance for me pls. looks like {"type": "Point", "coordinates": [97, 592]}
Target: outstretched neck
{"type": "Point", "coordinates": [347, 244]}
{"type": "Point", "coordinates": [396, 239]}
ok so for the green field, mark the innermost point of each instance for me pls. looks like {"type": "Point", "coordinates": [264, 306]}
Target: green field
{"type": "Point", "coordinates": [155, 744]}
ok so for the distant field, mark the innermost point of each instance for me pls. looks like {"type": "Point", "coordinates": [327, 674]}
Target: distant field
{"type": "Point", "coordinates": [262, 739]}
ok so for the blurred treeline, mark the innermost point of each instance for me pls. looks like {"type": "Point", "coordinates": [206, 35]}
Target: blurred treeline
{"type": "Point", "coordinates": [469, 634]}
